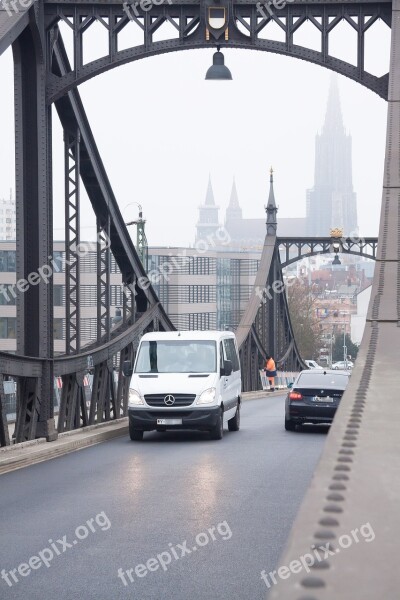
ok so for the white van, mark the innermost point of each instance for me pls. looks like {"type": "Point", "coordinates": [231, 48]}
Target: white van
{"type": "Point", "coordinates": [185, 380]}
{"type": "Point", "coordinates": [311, 364]}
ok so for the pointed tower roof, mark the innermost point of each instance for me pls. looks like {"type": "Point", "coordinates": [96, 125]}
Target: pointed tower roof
{"type": "Point", "coordinates": [271, 208]}
{"type": "Point", "coordinates": [333, 117]}
{"type": "Point", "coordinates": [234, 200]}
{"type": "Point", "coordinates": [271, 197]}
{"type": "Point", "coordinates": [210, 194]}
{"type": "Point", "coordinates": [233, 212]}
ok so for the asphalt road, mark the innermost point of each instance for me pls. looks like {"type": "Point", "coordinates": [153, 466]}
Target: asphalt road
{"type": "Point", "coordinates": [202, 517]}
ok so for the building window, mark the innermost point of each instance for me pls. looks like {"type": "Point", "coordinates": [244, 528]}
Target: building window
{"type": "Point", "coordinates": [199, 265]}
{"type": "Point", "coordinates": [6, 297]}
{"type": "Point", "coordinates": [58, 295]}
{"type": "Point", "coordinates": [58, 329]}
{"type": "Point", "coordinates": [58, 259]}
{"type": "Point", "coordinates": [199, 293]}
{"type": "Point", "coordinates": [199, 321]}
{"type": "Point", "coordinates": [7, 261]}
{"type": "Point", "coordinates": [7, 327]}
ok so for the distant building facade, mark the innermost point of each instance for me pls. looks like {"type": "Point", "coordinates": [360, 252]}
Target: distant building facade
{"type": "Point", "coordinates": [7, 219]}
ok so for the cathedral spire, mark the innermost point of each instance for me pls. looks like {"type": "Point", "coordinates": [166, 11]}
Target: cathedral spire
{"type": "Point", "coordinates": [271, 208]}
{"type": "Point", "coordinates": [210, 194]}
{"type": "Point", "coordinates": [207, 224]}
{"type": "Point", "coordinates": [233, 211]}
{"type": "Point", "coordinates": [333, 116]}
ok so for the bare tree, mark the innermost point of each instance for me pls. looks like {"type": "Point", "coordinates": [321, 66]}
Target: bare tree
{"type": "Point", "coordinates": [303, 314]}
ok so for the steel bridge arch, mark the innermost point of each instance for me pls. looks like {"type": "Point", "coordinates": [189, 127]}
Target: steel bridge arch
{"type": "Point", "coordinates": [324, 245]}
{"type": "Point", "coordinates": [189, 18]}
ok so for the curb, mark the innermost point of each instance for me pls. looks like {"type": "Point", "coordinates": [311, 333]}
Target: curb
{"type": "Point", "coordinates": [36, 451]}
{"type": "Point", "coordinates": [262, 394]}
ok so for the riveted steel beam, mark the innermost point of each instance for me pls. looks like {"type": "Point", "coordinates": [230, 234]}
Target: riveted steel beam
{"type": "Point", "coordinates": [190, 21]}
{"type": "Point", "coordinates": [34, 229]}
{"type": "Point", "coordinates": [73, 412]}
{"type": "Point", "coordinates": [4, 433]}
{"type": "Point", "coordinates": [265, 327]}
{"type": "Point", "coordinates": [72, 240]}
{"type": "Point", "coordinates": [293, 249]}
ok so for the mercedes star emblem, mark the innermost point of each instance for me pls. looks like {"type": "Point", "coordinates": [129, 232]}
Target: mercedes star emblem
{"type": "Point", "coordinates": [169, 400]}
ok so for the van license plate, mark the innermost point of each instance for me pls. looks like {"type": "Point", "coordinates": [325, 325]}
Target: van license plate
{"type": "Point", "coordinates": [169, 421]}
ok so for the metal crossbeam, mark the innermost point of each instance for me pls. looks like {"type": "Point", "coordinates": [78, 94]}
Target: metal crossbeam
{"type": "Point", "coordinates": [297, 248]}
{"type": "Point", "coordinates": [247, 23]}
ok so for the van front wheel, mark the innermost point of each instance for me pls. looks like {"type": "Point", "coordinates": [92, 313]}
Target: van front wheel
{"type": "Point", "coordinates": [135, 434]}
{"type": "Point", "coordinates": [218, 431]}
{"type": "Point", "coordinates": [234, 423]}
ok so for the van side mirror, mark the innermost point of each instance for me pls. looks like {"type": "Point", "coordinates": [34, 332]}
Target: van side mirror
{"type": "Point", "coordinates": [228, 368]}
{"type": "Point", "coordinates": [290, 385]}
{"type": "Point", "coordinates": [127, 368]}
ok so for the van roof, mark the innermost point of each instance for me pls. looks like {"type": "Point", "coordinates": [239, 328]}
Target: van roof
{"type": "Point", "coordinates": [186, 335]}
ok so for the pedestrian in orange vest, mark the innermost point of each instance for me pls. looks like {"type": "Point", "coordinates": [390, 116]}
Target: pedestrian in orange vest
{"type": "Point", "coordinates": [270, 371]}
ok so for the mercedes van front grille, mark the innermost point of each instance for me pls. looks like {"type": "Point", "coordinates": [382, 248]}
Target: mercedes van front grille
{"type": "Point", "coordinates": [169, 400]}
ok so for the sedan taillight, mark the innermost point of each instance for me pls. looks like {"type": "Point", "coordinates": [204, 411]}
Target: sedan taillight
{"type": "Point", "coordinates": [295, 396]}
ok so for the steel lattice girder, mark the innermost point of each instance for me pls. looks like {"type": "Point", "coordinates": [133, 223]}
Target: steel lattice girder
{"type": "Point", "coordinates": [311, 246]}
{"type": "Point", "coordinates": [73, 412]}
{"type": "Point", "coordinates": [265, 327]}
{"type": "Point", "coordinates": [189, 20]}
{"type": "Point", "coordinates": [72, 240]}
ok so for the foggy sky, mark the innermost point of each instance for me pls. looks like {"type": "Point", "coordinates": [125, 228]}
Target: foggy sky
{"type": "Point", "coordinates": [162, 129]}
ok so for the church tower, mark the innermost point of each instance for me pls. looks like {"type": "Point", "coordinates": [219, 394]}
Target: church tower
{"type": "Point", "coordinates": [207, 224]}
{"type": "Point", "coordinates": [233, 211]}
{"type": "Point", "coordinates": [332, 202]}
{"type": "Point", "coordinates": [271, 209]}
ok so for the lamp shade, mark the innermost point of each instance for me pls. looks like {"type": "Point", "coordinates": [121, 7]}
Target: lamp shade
{"type": "Point", "coordinates": [218, 70]}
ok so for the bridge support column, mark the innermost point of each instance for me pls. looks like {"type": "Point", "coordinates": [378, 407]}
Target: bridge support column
{"type": "Point", "coordinates": [34, 232]}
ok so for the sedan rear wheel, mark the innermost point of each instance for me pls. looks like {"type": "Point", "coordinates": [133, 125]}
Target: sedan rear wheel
{"type": "Point", "coordinates": [290, 425]}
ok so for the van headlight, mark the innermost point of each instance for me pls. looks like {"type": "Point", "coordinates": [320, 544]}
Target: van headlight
{"type": "Point", "coordinates": [207, 397]}
{"type": "Point", "coordinates": [135, 399]}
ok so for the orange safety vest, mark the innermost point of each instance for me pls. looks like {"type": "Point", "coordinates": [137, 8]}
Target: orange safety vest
{"type": "Point", "coordinates": [270, 365]}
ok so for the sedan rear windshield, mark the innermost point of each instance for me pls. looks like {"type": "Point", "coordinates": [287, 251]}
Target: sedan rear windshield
{"type": "Point", "coordinates": [177, 356]}
{"type": "Point", "coordinates": [320, 380]}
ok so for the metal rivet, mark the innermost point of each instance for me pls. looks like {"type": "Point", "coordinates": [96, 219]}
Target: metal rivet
{"type": "Point", "coordinates": [336, 497]}
{"type": "Point", "coordinates": [332, 508]}
{"type": "Point", "coordinates": [313, 582]}
{"type": "Point", "coordinates": [328, 522]}
{"type": "Point", "coordinates": [324, 534]}
{"type": "Point", "coordinates": [323, 564]}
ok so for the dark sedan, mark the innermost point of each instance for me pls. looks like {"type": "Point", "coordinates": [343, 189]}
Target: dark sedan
{"type": "Point", "coordinates": [314, 397]}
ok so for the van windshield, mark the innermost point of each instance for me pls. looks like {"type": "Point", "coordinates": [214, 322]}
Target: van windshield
{"type": "Point", "coordinates": [177, 356]}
